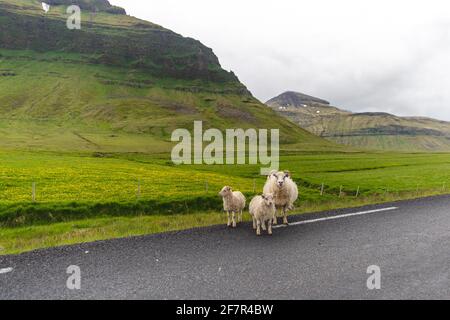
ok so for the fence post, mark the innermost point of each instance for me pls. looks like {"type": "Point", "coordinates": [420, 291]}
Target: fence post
{"type": "Point", "coordinates": [254, 185]}
{"type": "Point", "coordinates": [33, 191]}
{"type": "Point", "coordinates": [357, 192]}
{"type": "Point", "coordinates": [340, 192]}
{"type": "Point", "coordinates": [206, 186]}
{"type": "Point", "coordinates": [322, 189]}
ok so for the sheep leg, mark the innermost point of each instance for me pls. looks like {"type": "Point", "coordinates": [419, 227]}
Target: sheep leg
{"type": "Point", "coordinates": [240, 216]}
{"type": "Point", "coordinates": [263, 225]}
{"type": "Point", "coordinates": [285, 219]}
{"type": "Point", "coordinates": [275, 220]}
{"type": "Point", "coordinates": [254, 223]}
{"type": "Point", "coordinates": [270, 227]}
{"type": "Point", "coordinates": [258, 229]}
{"type": "Point", "coordinates": [234, 220]}
{"type": "Point", "coordinates": [229, 219]}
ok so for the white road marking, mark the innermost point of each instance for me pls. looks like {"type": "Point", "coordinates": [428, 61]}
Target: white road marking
{"type": "Point", "coordinates": [6, 270]}
{"type": "Point", "coordinates": [338, 217]}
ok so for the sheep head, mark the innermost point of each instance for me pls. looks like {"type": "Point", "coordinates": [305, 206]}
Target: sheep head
{"type": "Point", "coordinates": [268, 199]}
{"type": "Point", "coordinates": [280, 178]}
{"type": "Point", "coordinates": [226, 191]}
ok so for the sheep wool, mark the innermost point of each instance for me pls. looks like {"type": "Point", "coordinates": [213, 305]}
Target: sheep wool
{"type": "Point", "coordinates": [284, 190]}
{"type": "Point", "coordinates": [262, 209]}
{"type": "Point", "coordinates": [233, 203]}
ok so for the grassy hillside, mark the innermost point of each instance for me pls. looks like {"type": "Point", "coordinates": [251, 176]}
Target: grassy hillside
{"type": "Point", "coordinates": [59, 105]}
{"type": "Point", "coordinates": [380, 131]}
{"type": "Point", "coordinates": [108, 39]}
{"type": "Point", "coordinates": [119, 84]}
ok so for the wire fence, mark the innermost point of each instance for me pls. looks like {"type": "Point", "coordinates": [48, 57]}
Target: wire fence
{"type": "Point", "coordinates": [205, 188]}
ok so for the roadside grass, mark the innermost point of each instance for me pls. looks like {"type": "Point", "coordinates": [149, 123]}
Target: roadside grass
{"type": "Point", "coordinates": [24, 239]}
{"type": "Point", "coordinates": [18, 240]}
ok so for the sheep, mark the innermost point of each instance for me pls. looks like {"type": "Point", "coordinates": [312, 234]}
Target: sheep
{"type": "Point", "coordinates": [233, 203]}
{"type": "Point", "coordinates": [284, 190]}
{"type": "Point", "coordinates": [262, 210]}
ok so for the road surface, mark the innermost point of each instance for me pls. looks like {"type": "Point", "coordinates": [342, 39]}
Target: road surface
{"type": "Point", "coordinates": [321, 256]}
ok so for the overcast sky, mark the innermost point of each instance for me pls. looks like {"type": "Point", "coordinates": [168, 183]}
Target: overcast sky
{"type": "Point", "coordinates": [383, 55]}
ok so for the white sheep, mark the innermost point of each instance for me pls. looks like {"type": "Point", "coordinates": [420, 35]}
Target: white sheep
{"type": "Point", "coordinates": [233, 203]}
{"type": "Point", "coordinates": [284, 190]}
{"type": "Point", "coordinates": [262, 210]}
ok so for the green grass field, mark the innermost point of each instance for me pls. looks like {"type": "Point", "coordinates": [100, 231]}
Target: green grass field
{"type": "Point", "coordinates": [81, 197]}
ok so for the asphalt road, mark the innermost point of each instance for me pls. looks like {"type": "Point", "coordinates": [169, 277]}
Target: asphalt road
{"type": "Point", "coordinates": [324, 259]}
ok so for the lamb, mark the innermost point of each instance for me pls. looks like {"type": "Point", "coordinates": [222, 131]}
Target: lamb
{"type": "Point", "coordinates": [284, 190]}
{"type": "Point", "coordinates": [262, 210]}
{"type": "Point", "coordinates": [233, 203]}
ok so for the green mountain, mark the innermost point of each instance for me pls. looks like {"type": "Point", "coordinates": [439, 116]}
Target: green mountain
{"type": "Point", "coordinates": [381, 131]}
{"type": "Point", "coordinates": [119, 84]}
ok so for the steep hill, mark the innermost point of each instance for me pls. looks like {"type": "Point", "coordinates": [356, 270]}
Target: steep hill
{"type": "Point", "coordinates": [365, 130]}
{"type": "Point", "coordinates": [118, 84]}
{"type": "Point", "coordinates": [108, 39]}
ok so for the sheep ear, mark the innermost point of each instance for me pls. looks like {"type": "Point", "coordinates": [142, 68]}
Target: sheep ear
{"type": "Point", "coordinates": [287, 174]}
{"type": "Point", "coordinates": [264, 197]}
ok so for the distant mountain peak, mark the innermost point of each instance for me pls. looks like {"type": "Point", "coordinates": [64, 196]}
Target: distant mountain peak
{"type": "Point", "coordinates": [295, 99]}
